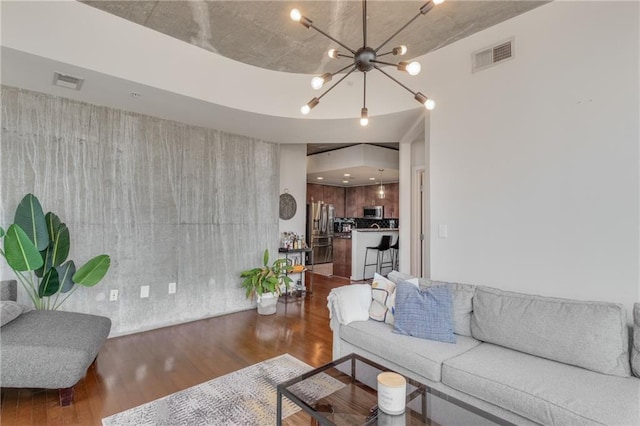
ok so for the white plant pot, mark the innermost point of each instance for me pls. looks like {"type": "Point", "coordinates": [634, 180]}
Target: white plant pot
{"type": "Point", "coordinates": [267, 303]}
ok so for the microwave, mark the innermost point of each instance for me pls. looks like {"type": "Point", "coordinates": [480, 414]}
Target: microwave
{"type": "Point", "coordinates": [373, 212]}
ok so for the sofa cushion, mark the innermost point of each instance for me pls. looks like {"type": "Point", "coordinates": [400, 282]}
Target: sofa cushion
{"type": "Point", "coordinates": [9, 310]}
{"type": "Point", "coordinates": [424, 357]}
{"type": "Point", "coordinates": [50, 349]}
{"type": "Point", "coordinates": [424, 313]}
{"type": "Point", "coordinates": [545, 391]}
{"type": "Point", "coordinates": [635, 351]}
{"type": "Point", "coordinates": [383, 303]}
{"type": "Point", "coordinates": [592, 335]}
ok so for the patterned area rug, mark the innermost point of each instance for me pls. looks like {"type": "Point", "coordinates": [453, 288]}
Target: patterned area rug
{"type": "Point", "coordinates": [244, 397]}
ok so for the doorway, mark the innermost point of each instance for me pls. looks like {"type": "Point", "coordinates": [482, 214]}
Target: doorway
{"type": "Point", "coordinates": [418, 240]}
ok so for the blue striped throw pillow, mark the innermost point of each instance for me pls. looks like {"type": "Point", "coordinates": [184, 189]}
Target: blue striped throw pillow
{"type": "Point", "coordinates": [425, 313]}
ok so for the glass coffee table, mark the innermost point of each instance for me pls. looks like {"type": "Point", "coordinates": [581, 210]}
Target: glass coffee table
{"type": "Point", "coordinates": [352, 399]}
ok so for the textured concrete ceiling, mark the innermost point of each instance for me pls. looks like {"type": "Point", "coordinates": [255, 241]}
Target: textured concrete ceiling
{"type": "Point", "coordinates": [260, 33]}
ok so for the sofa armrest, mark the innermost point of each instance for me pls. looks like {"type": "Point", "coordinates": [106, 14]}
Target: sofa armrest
{"type": "Point", "coordinates": [9, 290]}
{"type": "Point", "coordinates": [347, 304]}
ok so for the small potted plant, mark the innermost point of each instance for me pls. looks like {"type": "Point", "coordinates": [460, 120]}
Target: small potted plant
{"type": "Point", "coordinates": [266, 282]}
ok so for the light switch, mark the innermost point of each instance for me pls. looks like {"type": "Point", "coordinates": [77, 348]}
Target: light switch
{"type": "Point", "coordinates": [144, 291]}
{"type": "Point", "coordinates": [442, 231]}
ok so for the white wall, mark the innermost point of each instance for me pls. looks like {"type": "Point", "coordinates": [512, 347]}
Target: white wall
{"type": "Point", "coordinates": [535, 162]}
{"type": "Point", "coordinates": [293, 178]}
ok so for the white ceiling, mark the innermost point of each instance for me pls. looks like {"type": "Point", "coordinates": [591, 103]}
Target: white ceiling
{"type": "Point", "coordinates": [183, 81]}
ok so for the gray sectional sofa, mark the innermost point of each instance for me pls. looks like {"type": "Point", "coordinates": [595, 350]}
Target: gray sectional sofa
{"type": "Point", "coordinates": [47, 349]}
{"type": "Point", "coordinates": [526, 359]}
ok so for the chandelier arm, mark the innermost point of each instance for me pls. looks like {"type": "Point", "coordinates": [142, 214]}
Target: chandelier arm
{"type": "Point", "coordinates": [341, 69]}
{"type": "Point", "coordinates": [331, 38]}
{"type": "Point", "coordinates": [337, 82]}
{"type": "Point", "coordinates": [382, 62]}
{"type": "Point", "coordinates": [405, 87]}
{"type": "Point", "coordinates": [398, 32]}
{"type": "Point", "coordinates": [384, 54]}
{"type": "Point", "coordinates": [340, 55]}
{"type": "Point", "coordinates": [364, 23]}
{"type": "Point", "coordinates": [364, 96]}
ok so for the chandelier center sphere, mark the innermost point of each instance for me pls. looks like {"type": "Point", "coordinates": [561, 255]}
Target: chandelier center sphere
{"type": "Point", "coordinates": [363, 57]}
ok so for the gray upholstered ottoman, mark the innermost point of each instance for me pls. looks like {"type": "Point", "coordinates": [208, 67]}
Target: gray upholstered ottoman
{"type": "Point", "coordinates": [50, 349]}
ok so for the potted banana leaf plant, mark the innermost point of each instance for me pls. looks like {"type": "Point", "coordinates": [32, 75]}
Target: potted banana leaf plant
{"type": "Point", "coordinates": [265, 283]}
{"type": "Point", "coordinates": [36, 247]}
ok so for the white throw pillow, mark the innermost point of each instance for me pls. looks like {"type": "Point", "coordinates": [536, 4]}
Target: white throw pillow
{"type": "Point", "coordinates": [383, 299]}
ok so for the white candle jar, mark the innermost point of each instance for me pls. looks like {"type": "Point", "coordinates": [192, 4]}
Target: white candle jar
{"type": "Point", "coordinates": [392, 391]}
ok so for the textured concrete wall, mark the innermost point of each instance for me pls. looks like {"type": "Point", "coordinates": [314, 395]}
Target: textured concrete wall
{"type": "Point", "coordinates": [167, 201]}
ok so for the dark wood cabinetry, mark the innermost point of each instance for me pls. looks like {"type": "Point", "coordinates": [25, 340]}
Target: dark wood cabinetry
{"type": "Point", "coordinates": [342, 257]}
{"type": "Point", "coordinates": [350, 201]}
{"type": "Point", "coordinates": [357, 197]}
{"type": "Point", "coordinates": [329, 194]}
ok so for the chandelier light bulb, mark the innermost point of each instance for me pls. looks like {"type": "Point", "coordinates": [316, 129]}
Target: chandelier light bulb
{"type": "Point", "coordinates": [414, 68]}
{"type": "Point", "coordinates": [400, 50]}
{"type": "Point", "coordinates": [306, 109]}
{"type": "Point", "coordinates": [436, 2]}
{"type": "Point", "coordinates": [295, 15]}
{"type": "Point", "coordinates": [332, 53]}
{"type": "Point", "coordinates": [428, 103]}
{"type": "Point", "coordinates": [364, 117]}
{"type": "Point", "coordinates": [317, 82]}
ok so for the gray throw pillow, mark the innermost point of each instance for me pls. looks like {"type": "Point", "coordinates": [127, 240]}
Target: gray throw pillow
{"type": "Point", "coordinates": [635, 351]}
{"type": "Point", "coordinates": [9, 311]}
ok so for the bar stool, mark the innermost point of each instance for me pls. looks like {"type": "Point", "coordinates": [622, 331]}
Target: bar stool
{"type": "Point", "coordinates": [384, 246]}
{"type": "Point", "coordinates": [394, 254]}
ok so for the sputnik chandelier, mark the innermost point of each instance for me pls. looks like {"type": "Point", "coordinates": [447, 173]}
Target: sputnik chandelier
{"type": "Point", "coordinates": [365, 59]}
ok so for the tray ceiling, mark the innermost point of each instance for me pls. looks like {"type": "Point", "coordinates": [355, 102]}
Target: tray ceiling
{"type": "Point", "coordinates": [260, 33]}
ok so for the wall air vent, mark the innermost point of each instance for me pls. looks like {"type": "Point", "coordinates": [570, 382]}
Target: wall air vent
{"type": "Point", "coordinates": [490, 56]}
{"type": "Point", "coordinates": [67, 81]}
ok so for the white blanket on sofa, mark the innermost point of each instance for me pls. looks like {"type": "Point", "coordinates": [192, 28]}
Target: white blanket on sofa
{"type": "Point", "coordinates": [350, 303]}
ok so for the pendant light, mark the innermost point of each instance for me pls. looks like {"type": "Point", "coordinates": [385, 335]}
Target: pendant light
{"type": "Point", "coordinates": [381, 193]}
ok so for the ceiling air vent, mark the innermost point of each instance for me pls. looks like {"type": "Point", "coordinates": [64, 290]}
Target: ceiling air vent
{"type": "Point", "coordinates": [492, 55]}
{"type": "Point", "coordinates": [68, 81]}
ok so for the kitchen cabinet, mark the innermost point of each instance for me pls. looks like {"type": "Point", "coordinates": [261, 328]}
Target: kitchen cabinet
{"type": "Point", "coordinates": [329, 194]}
{"type": "Point", "coordinates": [314, 192]}
{"type": "Point", "coordinates": [342, 257]}
{"type": "Point", "coordinates": [350, 201]}
{"type": "Point", "coordinates": [354, 201]}
{"type": "Point", "coordinates": [357, 197]}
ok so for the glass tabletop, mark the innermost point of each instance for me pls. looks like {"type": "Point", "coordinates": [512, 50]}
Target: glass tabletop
{"type": "Point", "coordinates": [343, 392]}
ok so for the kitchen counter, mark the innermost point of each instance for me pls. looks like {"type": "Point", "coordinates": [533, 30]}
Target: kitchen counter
{"type": "Point", "coordinates": [342, 235]}
{"type": "Point", "coordinates": [375, 229]}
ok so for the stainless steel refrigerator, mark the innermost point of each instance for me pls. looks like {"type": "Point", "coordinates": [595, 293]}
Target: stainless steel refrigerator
{"type": "Point", "coordinates": [320, 218]}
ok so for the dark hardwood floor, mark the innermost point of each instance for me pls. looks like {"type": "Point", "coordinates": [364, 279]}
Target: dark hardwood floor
{"type": "Point", "coordinates": [131, 370]}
